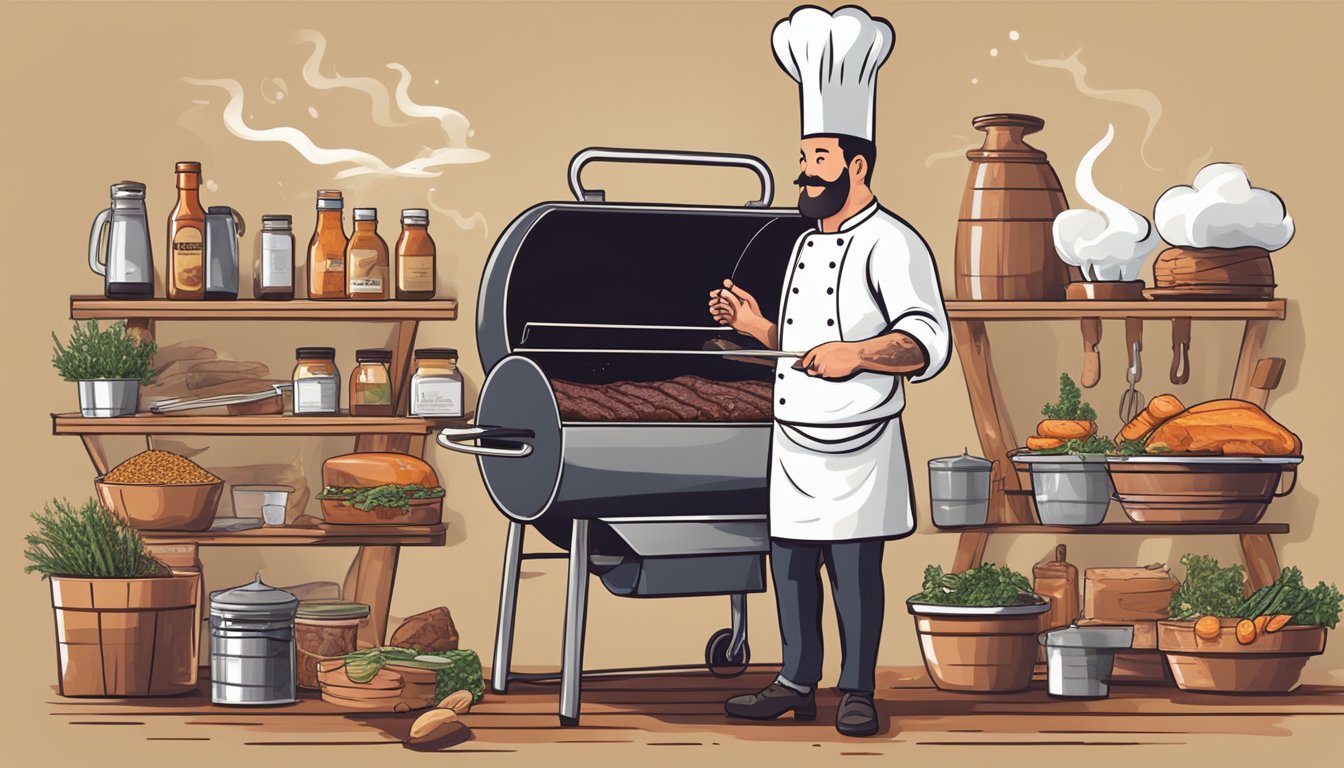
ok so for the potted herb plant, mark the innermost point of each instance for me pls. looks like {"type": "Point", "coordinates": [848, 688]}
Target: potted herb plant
{"type": "Point", "coordinates": [1070, 481]}
{"type": "Point", "coordinates": [109, 365]}
{"type": "Point", "coordinates": [1223, 640]}
{"type": "Point", "coordinates": [125, 624]}
{"type": "Point", "coordinates": [978, 628]}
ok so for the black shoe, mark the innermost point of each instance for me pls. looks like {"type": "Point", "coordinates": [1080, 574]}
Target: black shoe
{"type": "Point", "coordinates": [772, 702]}
{"type": "Point", "coordinates": [856, 715]}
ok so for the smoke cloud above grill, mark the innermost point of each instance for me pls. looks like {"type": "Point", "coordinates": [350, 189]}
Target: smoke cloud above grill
{"type": "Point", "coordinates": [1222, 210]}
{"type": "Point", "coordinates": [1109, 242]}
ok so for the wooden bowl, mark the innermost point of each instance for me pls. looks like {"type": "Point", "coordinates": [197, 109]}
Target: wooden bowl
{"type": "Point", "coordinates": [187, 507]}
{"type": "Point", "coordinates": [1171, 489]}
{"type": "Point", "coordinates": [1105, 290]}
{"type": "Point", "coordinates": [978, 650]}
{"type": "Point", "coordinates": [393, 689]}
{"type": "Point", "coordinates": [1271, 664]}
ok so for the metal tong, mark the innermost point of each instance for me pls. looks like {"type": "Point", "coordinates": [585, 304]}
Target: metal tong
{"type": "Point", "coordinates": [173, 404]}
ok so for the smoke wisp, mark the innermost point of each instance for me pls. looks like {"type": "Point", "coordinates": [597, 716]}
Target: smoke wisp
{"type": "Point", "coordinates": [1135, 97]}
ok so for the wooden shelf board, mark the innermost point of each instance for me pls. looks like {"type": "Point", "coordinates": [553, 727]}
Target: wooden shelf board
{"type": "Point", "coordinates": [334, 535]}
{"type": "Point", "coordinates": [1143, 529]}
{"type": "Point", "coordinates": [152, 424]}
{"type": "Point", "coordinates": [89, 307]}
{"type": "Point", "coordinates": [1272, 309]}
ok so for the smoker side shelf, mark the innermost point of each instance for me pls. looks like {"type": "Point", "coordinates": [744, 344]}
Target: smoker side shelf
{"type": "Point", "coordinates": [1010, 506]}
{"type": "Point", "coordinates": [279, 425]}
{"type": "Point", "coordinates": [97, 307]}
{"type": "Point", "coordinates": [290, 536]}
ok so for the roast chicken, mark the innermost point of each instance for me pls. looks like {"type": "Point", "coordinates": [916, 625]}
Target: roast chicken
{"type": "Point", "coordinates": [1228, 427]}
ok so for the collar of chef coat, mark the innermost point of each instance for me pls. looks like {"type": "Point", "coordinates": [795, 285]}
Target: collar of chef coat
{"type": "Point", "coordinates": [856, 219]}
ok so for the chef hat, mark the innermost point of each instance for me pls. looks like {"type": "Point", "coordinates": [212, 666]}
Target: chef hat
{"type": "Point", "coordinates": [834, 57]}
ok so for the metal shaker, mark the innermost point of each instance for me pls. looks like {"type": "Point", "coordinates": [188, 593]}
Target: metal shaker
{"type": "Point", "coordinates": [127, 266]}
{"type": "Point", "coordinates": [252, 653]}
{"type": "Point", "coordinates": [223, 226]}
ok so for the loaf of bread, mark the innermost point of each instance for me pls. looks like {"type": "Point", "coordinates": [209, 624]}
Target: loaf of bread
{"type": "Point", "coordinates": [371, 470]}
{"type": "Point", "coordinates": [684, 398]}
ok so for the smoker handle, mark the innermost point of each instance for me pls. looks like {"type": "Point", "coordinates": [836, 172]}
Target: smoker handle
{"type": "Point", "coordinates": [670, 157]}
{"type": "Point", "coordinates": [453, 438]}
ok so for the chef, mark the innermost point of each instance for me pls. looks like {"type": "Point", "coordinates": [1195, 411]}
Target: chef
{"type": "Point", "coordinates": [862, 304]}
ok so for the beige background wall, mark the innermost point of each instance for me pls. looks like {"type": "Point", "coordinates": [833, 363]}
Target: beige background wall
{"type": "Point", "coordinates": [93, 94]}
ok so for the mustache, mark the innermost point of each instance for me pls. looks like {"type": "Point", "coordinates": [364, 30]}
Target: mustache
{"type": "Point", "coordinates": [804, 180]}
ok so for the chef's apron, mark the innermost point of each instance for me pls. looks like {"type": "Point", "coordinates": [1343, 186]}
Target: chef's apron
{"type": "Point", "coordinates": [839, 483]}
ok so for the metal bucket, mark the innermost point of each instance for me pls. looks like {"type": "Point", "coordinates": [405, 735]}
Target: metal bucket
{"type": "Point", "coordinates": [959, 490]}
{"type": "Point", "coordinates": [106, 398]}
{"type": "Point", "coordinates": [1070, 490]}
{"type": "Point", "coordinates": [1079, 659]}
{"type": "Point", "coordinates": [252, 654]}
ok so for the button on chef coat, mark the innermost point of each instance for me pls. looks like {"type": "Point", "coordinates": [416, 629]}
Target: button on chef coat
{"type": "Point", "coordinates": [874, 276]}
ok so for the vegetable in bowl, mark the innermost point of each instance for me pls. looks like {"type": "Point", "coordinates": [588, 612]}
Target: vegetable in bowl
{"type": "Point", "coordinates": [1211, 590]}
{"type": "Point", "coordinates": [985, 586]}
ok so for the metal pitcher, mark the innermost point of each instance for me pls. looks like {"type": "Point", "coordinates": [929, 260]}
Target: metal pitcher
{"type": "Point", "coordinates": [223, 226]}
{"type": "Point", "coordinates": [252, 652]}
{"type": "Point", "coordinates": [128, 265]}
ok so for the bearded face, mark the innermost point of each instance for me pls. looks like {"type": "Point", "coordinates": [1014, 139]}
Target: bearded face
{"type": "Point", "coordinates": [825, 203]}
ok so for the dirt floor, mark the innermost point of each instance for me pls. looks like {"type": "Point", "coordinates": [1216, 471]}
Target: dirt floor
{"type": "Point", "coordinates": [648, 719]}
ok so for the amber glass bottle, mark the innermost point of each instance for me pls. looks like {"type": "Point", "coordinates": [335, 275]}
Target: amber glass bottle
{"type": "Point", "coordinates": [415, 256]}
{"type": "Point", "coordinates": [367, 267]}
{"type": "Point", "coordinates": [186, 237]}
{"type": "Point", "coordinates": [326, 249]}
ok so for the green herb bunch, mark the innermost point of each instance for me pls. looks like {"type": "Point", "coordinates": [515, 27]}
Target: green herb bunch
{"type": "Point", "coordinates": [987, 585]}
{"type": "Point", "coordinates": [1070, 405]}
{"type": "Point", "coordinates": [388, 496]}
{"type": "Point", "coordinates": [1213, 591]}
{"type": "Point", "coordinates": [110, 353]}
{"type": "Point", "coordinates": [1208, 589]}
{"type": "Point", "coordinates": [458, 670]}
{"type": "Point", "coordinates": [88, 541]}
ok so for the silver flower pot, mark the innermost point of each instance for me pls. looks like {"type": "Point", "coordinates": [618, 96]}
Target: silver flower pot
{"type": "Point", "coordinates": [105, 398]}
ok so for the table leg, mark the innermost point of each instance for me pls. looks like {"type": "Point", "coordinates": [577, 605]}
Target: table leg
{"type": "Point", "coordinates": [1007, 503]}
{"type": "Point", "coordinates": [970, 550]}
{"type": "Point", "coordinates": [370, 581]}
{"type": "Point", "coordinates": [1252, 340]}
{"type": "Point", "coordinates": [94, 447]}
{"type": "Point", "coordinates": [1262, 564]}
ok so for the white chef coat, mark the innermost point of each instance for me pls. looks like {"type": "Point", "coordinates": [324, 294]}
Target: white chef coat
{"type": "Point", "coordinates": [838, 469]}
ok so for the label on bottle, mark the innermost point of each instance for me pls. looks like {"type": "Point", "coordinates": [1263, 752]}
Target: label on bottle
{"type": "Point", "coordinates": [319, 394]}
{"type": "Point", "coordinates": [436, 397]}
{"type": "Point", "coordinates": [277, 261]}
{"type": "Point", "coordinates": [416, 273]}
{"type": "Point", "coordinates": [366, 274]}
{"type": "Point", "coordinates": [188, 261]}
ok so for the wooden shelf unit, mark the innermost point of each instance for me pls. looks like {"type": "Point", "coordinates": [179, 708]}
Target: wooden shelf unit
{"type": "Point", "coordinates": [1010, 505]}
{"type": "Point", "coordinates": [290, 536]}
{"type": "Point", "coordinates": [373, 571]}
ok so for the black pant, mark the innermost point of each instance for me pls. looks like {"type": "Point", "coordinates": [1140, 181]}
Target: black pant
{"type": "Point", "coordinates": [855, 570]}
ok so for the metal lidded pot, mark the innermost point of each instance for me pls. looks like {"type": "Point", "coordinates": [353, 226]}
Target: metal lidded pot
{"type": "Point", "coordinates": [252, 658]}
{"type": "Point", "coordinates": [959, 490]}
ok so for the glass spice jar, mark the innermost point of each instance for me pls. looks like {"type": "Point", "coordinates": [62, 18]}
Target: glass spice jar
{"type": "Point", "coordinates": [436, 385]}
{"type": "Point", "coordinates": [273, 268]}
{"type": "Point", "coordinates": [317, 382]}
{"type": "Point", "coordinates": [371, 383]}
{"type": "Point", "coordinates": [415, 256]}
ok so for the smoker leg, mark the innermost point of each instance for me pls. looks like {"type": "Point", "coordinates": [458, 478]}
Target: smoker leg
{"type": "Point", "coordinates": [576, 616]}
{"type": "Point", "coordinates": [508, 606]}
{"type": "Point", "coordinates": [738, 607]}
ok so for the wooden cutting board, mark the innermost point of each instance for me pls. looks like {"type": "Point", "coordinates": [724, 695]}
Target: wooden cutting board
{"type": "Point", "coordinates": [393, 689]}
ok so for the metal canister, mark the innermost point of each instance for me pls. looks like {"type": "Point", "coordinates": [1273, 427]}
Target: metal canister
{"type": "Point", "coordinates": [959, 490]}
{"type": "Point", "coordinates": [252, 655]}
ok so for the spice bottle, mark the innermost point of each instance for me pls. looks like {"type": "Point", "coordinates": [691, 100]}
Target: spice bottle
{"type": "Point", "coordinates": [317, 382]}
{"type": "Point", "coordinates": [436, 385]}
{"type": "Point", "coordinates": [273, 271]}
{"type": "Point", "coordinates": [371, 383]}
{"type": "Point", "coordinates": [186, 236]}
{"type": "Point", "coordinates": [415, 256]}
{"type": "Point", "coordinates": [367, 269]}
{"type": "Point", "coordinates": [326, 250]}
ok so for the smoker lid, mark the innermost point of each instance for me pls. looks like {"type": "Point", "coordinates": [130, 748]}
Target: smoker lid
{"type": "Point", "coordinates": [518, 395]}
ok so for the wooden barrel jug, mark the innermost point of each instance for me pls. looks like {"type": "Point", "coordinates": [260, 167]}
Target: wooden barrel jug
{"type": "Point", "coordinates": [1005, 251]}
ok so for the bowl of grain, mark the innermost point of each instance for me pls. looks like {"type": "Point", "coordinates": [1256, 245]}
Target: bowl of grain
{"type": "Point", "coordinates": [161, 491]}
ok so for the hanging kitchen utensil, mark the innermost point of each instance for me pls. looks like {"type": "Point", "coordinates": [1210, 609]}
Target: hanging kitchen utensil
{"type": "Point", "coordinates": [1091, 352]}
{"type": "Point", "coordinates": [1132, 402]}
{"type": "Point", "coordinates": [1180, 350]}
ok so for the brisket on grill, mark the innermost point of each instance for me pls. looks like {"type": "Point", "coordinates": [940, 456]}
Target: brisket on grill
{"type": "Point", "coordinates": [685, 398]}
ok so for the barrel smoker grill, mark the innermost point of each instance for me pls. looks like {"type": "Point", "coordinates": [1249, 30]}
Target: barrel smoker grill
{"type": "Point", "coordinates": [593, 293]}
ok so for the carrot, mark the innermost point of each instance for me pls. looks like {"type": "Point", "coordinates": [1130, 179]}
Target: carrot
{"type": "Point", "coordinates": [1246, 632]}
{"type": "Point", "coordinates": [1066, 429]}
{"type": "Point", "coordinates": [1043, 443]}
{"type": "Point", "coordinates": [1208, 628]}
{"type": "Point", "coordinates": [1260, 622]}
{"type": "Point", "coordinates": [1278, 622]}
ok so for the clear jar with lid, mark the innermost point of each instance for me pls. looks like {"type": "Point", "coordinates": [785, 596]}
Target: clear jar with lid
{"type": "Point", "coordinates": [273, 267]}
{"type": "Point", "coordinates": [436, 385]}
{"type": "Point", "coordinates": [317, 382]}
{"type": "Point", "coordinates": [371, 383]}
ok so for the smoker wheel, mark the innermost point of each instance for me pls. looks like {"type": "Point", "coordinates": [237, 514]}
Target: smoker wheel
{"type": "Point", "coordinates": [717, 659]}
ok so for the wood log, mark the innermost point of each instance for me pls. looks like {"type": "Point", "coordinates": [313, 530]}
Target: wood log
{"type": "Point", "coordinates": [1128, 594]}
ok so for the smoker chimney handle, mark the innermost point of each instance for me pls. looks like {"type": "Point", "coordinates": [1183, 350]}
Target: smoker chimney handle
{"type": "Point", "coordinates": [668, 157]}
{"type": "Point", "coordinates": [453, 438]}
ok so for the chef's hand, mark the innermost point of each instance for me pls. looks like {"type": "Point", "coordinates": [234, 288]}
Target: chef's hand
{"type": "Point", "coordinates": [832, 360]}
{"type": "Point", "coordinates": [732, 306]}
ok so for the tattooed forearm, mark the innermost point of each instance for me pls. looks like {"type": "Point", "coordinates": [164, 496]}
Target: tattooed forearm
{"type": "Point", "coordinates": [895, 352]}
